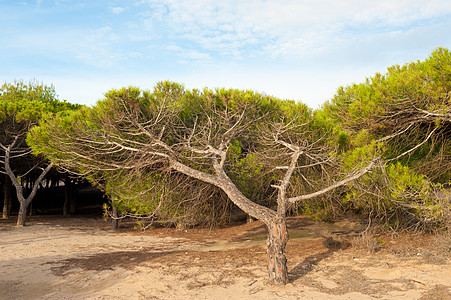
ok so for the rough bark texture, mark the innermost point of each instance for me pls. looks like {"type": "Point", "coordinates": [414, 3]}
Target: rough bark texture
{"type": "Point", "coordinates": [276, 222]}
{"type": "Point", "coordinates": [277, 261]}
{"type": "Point", "coordinates": [22, 214]}
{"type": "Point", "coordinates": [7, 201]}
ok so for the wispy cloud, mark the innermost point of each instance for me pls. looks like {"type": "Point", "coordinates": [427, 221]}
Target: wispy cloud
{"type": "Point", "coordinates": [283, 27]}
{"type": "Point", "coordinates": [190, 55]}
{"type": "Point", "coordinates": [98, 48]}
{"type": "Point", "coordinates": [117, 10]}
{"type": "Point", "coordinates": [299, 49]}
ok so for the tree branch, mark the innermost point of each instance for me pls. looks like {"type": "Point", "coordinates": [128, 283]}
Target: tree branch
{"type": "Point", "coordinates": [357, 175]}
{"type": "Point", "coordinates": [414, 148]}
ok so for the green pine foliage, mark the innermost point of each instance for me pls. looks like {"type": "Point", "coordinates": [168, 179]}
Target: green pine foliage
{"type": "Point", "coordinates": [404, 116]}
{"type": "Point", "coordinates": [29, 102]}
{"type": "Point", "coordinates": [152, 190]}
{"type": "Point", "coordinates": [22, 106]}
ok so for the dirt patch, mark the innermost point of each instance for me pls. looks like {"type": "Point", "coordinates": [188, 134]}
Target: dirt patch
{"type": "Point", "coordinates": [107, 261]}
{"type": "Point", "coordinates": [81, 258]}
{"type": "Point", "coordinates": [437, 292]}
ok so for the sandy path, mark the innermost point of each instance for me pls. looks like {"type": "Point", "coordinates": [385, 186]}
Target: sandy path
{"type": "Point", "coordinates": [52, 261]}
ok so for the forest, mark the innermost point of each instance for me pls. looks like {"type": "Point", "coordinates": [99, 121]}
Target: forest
{"type": "Point", "coordinates": [379, 150]}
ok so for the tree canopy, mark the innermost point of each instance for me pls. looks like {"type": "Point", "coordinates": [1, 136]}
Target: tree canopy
{"type": "Point", "coordinates": [405, 115]}
{"type": "Point", "coordinates": [22, 106]}
{"type": "Point", "coordinates": [185, 120]}
{"type": "Point", "coordinates": [409, 107]}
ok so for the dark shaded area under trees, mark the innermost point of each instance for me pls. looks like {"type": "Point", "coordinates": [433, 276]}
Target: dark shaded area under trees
{"type": "Point", "coordinates": [52, 199]}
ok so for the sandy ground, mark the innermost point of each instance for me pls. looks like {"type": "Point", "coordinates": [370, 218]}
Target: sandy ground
{"type": "Point", "coordinates": [81, 258]}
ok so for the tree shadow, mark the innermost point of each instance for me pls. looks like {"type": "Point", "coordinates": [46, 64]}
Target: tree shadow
{"type": "Point", "coordinates": [107, 261]}
{"type": "Point", "coordinates": [261, 232]}
{"type": "Point", "coordinates": [309, 263]}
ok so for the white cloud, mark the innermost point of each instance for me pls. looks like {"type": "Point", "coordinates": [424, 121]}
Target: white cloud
{"type": "Point", "coordinates": [190, 55]}
{"type": "Point", "coordinates": [117, 10]}
{"type": "Point", "coordinates": [97, 47]}
{"type": "Point", "coordinates": [286, 27]}
{"type": "Point", "coordinates": [290, 49]}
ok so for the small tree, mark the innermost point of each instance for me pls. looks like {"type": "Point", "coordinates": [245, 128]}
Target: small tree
{"type": "Point", "coordinates": [21, 107]}
{"type": "Point", "coordinates": [196, 134]}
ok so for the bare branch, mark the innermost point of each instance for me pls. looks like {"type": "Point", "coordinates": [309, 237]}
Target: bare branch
{"type": "Point", "coordinates": [414, 148]}
{"type": "Point", "coordinates": [388, 137]}
{"type": "Point", "coordinates": [357, 175]}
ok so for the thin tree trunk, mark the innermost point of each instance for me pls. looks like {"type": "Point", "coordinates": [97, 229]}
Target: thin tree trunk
{"type": "Point", "coordinates": [5, 214]}
{"type": "Point", "coordinates": [67, 196]}
{"type": "Point", "coordinates": [277, 261]}
{"type": "Point", "coordinates": [7, 201]}
{"type": "Point", "coordinates": [115, 220]}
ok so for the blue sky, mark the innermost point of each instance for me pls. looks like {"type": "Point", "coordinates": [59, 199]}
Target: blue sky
{"type": "Point", "coordinates": [302, 50]}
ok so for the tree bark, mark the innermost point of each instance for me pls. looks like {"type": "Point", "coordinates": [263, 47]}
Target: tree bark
{"type": "Point", "coordinates": [277, 261]}
{"type": "Point", "coordinates": [276, 223]}
{"type": "Point", "coordinates": [30, 208]}
{"type": "Point", "coordinates": [22, 214]}
{"type": "Point", "coordinates": [222, 181]}
{"type": "Point", "coordinates": [7, 198]}
{"type": "Point", "coordinates": [115, 220]}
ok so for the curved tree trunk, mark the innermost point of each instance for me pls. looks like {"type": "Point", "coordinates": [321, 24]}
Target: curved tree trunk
{"type": "Point", "coordinates": [277, 261]}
